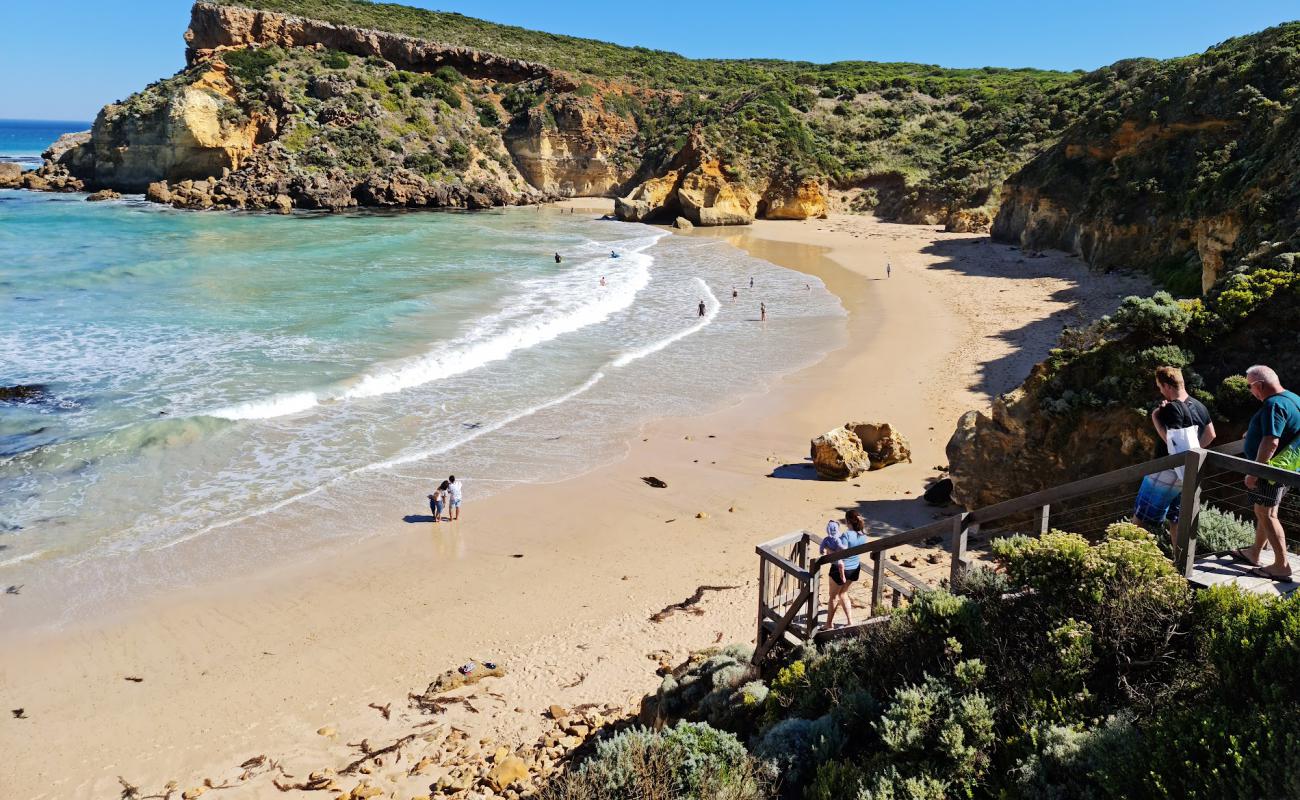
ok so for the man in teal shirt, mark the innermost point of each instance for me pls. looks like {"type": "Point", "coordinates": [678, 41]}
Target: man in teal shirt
{"type": "Point", "coordinates": [1273, 429]}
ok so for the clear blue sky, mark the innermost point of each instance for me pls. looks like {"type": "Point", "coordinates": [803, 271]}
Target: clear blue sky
{"type": "Point", "coordinates": [63, 59]}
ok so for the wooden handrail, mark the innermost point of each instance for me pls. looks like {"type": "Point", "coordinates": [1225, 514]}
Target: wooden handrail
{"type": "Point", "coordinates": [885, 543]}
{"type": "Point", "coordinates": [1256, 468]}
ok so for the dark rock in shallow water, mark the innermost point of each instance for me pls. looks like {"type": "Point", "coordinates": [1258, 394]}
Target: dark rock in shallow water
{"type": "Point", "coordinates": [24, 393]}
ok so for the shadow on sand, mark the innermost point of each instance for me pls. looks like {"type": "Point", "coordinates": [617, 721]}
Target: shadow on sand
{"type": "Point", "coordinates": [418, 518]}
{"type": "Point", "coordinates": [794, 472]}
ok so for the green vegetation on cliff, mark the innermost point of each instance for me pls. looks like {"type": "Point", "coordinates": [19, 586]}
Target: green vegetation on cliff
{"type": "Point", "coordinates": [1080, 670]}
{"type": "Point", "coordinates": [922, 139]}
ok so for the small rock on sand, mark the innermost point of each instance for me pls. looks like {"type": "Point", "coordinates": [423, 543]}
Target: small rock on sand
{"type": "Point", "coordinates": [328, 730]}
{"type": "Point", "coordinates": [557, 712]}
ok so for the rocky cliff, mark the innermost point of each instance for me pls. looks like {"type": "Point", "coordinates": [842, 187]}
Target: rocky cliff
{"type": "Point", "coordinates": [277, 111]}
{"type": "Point", "coordinates": [1181, 167]}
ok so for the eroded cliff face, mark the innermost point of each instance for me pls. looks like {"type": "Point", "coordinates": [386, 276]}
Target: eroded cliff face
{"type": "Point", "coordinates": [1071, 199]}
{"type": "Point", "coordinates": [276, 111]}
{"type": "Point", "coordinates": [186, 136]}
{"type": "Point", "coordinates": [1016, 448]}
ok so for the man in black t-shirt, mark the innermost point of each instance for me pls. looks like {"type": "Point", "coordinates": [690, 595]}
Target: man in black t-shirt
{"type": "Point", "coordinates": [1184, 421]}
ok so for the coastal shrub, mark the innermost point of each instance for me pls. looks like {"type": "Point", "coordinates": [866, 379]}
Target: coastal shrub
{"type": "Point", "coordinates": [714, 686]}
{"type": "Point", "coordinates": [690, 760]}
{"type": "Point", "coordinates": [457, 155]}
{"type": "Point", "coordinates": [794, 748]}
{"type": "Point", "coordinates": [336, 59]}
{"type": "Point", "coordinates": [1218, 531]}
{"type": "Point", "coordinates": [250, 64]}
{"type": "Point", "coordinates": [1156, 318]}
{"type": "Point", "coordinates": [1233, 399]}
{"type": "Point", "coordinates": [940, 731]}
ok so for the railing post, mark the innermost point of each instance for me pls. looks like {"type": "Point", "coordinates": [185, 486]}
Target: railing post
{"type": "Point", "coordinates": [1189, 512]}
{"type": "Point", "coordinates": [1043, 526]}
{"type": "Point", "coordinates": [762, 604]}
{"type": "Point", "coordinates": [960, 534]}
{"type": "Point", "coordinates": [877, 580]}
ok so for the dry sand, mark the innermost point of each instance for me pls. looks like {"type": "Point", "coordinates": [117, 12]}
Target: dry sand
{"type": "Point", "coordinates": [556, 582]}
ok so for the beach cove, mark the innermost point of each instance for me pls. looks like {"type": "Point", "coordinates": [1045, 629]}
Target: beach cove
{"type": "Point", "coordinates": [554, 581]}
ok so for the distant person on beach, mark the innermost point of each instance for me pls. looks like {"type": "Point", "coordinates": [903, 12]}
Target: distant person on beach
{"type": "Point", "coordinates": [602, 280]}
{"type": "Point", "coordinates": [762, 312]}
{"type": "Point", "coordinates": [1273, 431]}
{"type": "Point", "coordinates": [557, 258]}
{"type": "Point", "coordinates": [612, 254]}
{"type": "Point", "coordinates": [701, 308]}
{"type": "Point", "coordinates": [1182, 422]}
{"type": "Point", "coordinates": [807, 287]}
{"type": "Point", "coordinates": [453, 497]}
{"type": "Point", "coordinates": [889, 269]}
{"type": "Point", "coordinates": [438, 501]}
{"type": "Point", "coordinates": [734, 294]}
{"type": "Point", "coordinates": [751, 281]}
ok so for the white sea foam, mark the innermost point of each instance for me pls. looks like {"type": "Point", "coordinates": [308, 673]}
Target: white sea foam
{"type": "Point", "coordinates": [711, 306]}
{"type": "Point", "coordinates": [406, 458]}
{"type": "Point", "coordinates": [547, 309]}
{"type": "Point", "coordinates": [278, 406]}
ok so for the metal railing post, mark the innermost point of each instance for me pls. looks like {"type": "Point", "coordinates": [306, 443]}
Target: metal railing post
{"type": "Point", "coordinates": [1189, 512]}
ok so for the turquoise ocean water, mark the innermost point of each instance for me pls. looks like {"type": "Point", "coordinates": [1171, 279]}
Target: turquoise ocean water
{"type": "Point", "coordinates": [207, 382]}
{"type": "Point", "coordinates": [23, 140]}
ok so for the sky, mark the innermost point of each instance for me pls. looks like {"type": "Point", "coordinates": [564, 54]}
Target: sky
{"type": "Point", "coordinates": [64, 59]}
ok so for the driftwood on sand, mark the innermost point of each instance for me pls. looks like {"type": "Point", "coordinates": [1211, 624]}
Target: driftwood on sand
{"type": "Point", "coordinates": [686, 605]}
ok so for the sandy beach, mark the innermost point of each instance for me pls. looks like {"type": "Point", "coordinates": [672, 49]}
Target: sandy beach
{"type": "Point", "coordinates": [555, 582]}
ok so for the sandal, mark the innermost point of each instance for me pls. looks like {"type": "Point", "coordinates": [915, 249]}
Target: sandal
{"type": "Point", "coordinates": [1260, 572]}
{"type": "Point", "coordinates": [1240, 555]}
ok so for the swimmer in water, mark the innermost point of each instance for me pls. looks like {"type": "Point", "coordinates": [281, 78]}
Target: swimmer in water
{"type": "Point", "coordinates": [557, 258]}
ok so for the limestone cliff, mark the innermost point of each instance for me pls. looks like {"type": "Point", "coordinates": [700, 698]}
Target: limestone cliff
{"type": "Point", "coordinates": [278, 111]}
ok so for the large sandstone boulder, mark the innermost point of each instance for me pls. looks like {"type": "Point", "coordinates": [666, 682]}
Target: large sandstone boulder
{"type": "Point", "coordinates": [837, 455]}
{"type": "Point", "coordinates": [10, 174]}
{"type": "Point", "coordinates": [708, 198]}
{"type": "Point", "coordinates": [804, 200]}
{"type": "Point", "coordinates": [103, 194]}
{"type": "Point", "coordinates": [64, 145]}
{"type": "Point", "coordinates": [882, 444]}
{"type": "Point", "coordinates": [969, 220]}
{"type": "Point", "coordinates": [653, 198]}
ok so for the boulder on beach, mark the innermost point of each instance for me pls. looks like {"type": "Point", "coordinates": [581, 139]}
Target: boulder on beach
{"type": "Point", "coordinates": [103, 194]}
{"type": "Point", "coordinates": [882, 444]}
{"type": "Point", "coordinates": [837, 455]}
{"type": "Point", "coordinates": [856, 447]}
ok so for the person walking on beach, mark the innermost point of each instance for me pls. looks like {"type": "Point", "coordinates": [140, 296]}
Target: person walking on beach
{"type": "Point", "coordinates": [557, 258]}
{"type": "Point", "coordinates": [1182, 422]}
{"type": "Point", "coordinates": [762, 312]}
{"type": "Point", "coordinates": [751, 281]}
{"type": "Point", "coordinates": [734, 294]}
{"type": "Point", "coordinates": [438, 501]}
{"type": "Point", "coordinates": [889, 269]}
{"type": "Point", "coordinates": [1273, 430]}
{"type": "Point", "coordinates": [453, 498]}
{"type": "Point", "coordinates": [701, 307]}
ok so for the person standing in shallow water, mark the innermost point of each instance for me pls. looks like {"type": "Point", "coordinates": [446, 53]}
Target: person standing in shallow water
{"type": "Point", "coordinates": [701, 308]}
{"type": "Point", "coordinates": [557, 258]}
{"type": "Point", "coordinates": [762, 312]}
{"type": "Point", "coordinates": [734, 294]}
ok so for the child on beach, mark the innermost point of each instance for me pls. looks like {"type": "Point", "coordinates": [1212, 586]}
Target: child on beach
{"type": "Point", "coordinates": [845, 572]}
{"type": "Point", "coordinates": [438, 501]}
{"type": "Point", "coordinates": [453, 497]}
